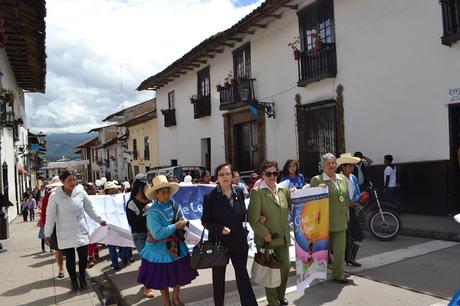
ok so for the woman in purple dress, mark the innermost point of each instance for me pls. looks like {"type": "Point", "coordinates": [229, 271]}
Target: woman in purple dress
{"type": "Point", "coordinates": [165, 257]}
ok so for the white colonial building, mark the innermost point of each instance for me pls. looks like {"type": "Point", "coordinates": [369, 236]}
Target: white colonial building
{"type": "Point", "coordinates": [381, 77]}
{"type": "Point", "coordinates": [22, 69]}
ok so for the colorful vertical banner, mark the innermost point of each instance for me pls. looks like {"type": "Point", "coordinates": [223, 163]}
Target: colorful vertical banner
{"type": "Point", "coordinates": [311, 231]}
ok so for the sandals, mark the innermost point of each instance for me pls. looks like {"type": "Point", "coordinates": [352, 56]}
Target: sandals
{"type": "Point", "coordinates": [148, 293]}
{"type": "Point", "coordinates": [60, 275]}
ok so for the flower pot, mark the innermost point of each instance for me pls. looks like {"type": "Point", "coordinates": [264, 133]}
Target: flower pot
{"type": "Point", "coordinates": [296, 54]}
{"type": "Point", "coordinates": [219, 87]}
{"type": "Point", "coordinates": [234, 82]}
{"type": "Point", "coordinates": [317, 44]}
{"type": "Point", "coordinates": [227, 85]}
{"type": "Point", "coordinates": [9, 97]}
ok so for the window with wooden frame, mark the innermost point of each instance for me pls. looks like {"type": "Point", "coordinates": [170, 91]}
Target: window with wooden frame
{"type": "Point", "coordinates": [135, 149]}
{"type": "Point", "coordinates": [146, 148]}
{"type": "Point", "coordinates": [318, 58]}
{"type": "Point", "coordinates": [171, 100]}
{"type": "Point", "coordinates": [450, 21]}
{"type": "Point", "coordinates": [202, 101]}
{"type": "Point", "coordinates": [242, 61]}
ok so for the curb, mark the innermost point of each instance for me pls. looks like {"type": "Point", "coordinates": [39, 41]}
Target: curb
{"type": "Point", "coordinates": [430, 234]}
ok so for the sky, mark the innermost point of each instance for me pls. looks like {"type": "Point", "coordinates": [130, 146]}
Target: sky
{"type": "Point", "coordinates": [99, 51]}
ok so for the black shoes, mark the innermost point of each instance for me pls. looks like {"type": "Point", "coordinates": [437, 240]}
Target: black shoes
{"type": "Point", "coordinates": [83, 284]}
{"type": "Point", "coordinates": [354, 263]}
{"type": "Point", "coordinates": [74, 286]}
{"type": "Point", "coordinates": [283, 302]}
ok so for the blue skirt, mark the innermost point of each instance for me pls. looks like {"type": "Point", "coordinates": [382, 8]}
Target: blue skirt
{"type": "Point", "coordinates": [166, 275]}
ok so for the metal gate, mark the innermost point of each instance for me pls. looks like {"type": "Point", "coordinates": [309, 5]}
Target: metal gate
{"type": "Point", "coordinates": [317, 132]}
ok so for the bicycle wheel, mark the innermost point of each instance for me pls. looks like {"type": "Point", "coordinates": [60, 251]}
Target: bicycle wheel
{"type": "Point", "coordinates": [384, 230]}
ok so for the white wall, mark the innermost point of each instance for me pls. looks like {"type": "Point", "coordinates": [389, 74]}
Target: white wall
{"type": "Point", "coordinates": [395, 72]}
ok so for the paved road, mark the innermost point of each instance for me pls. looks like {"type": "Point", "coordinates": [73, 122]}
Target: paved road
{"type": "Point", "coordinates": [407, 271]}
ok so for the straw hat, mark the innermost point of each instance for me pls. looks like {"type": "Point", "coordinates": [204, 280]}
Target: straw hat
{"type": "Point", "coordinates": [110, 185]}
{"type": "Point", "coordinates": [347, 158]}
{"type": "Point", "coordinates": [55, 181]}
{"type": "Point", "coordinates": [158, 182]}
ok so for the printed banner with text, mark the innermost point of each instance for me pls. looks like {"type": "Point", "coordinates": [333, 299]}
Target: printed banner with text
{"type": "Point", "coordinates": [311, 231]}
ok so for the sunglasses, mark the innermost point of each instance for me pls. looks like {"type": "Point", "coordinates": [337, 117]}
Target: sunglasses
{"type": "Point", "coordinates": [269, 174]}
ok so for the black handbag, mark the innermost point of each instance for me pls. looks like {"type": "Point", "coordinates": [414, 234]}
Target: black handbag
{"type": "Point", "coordinates": [208, 254]}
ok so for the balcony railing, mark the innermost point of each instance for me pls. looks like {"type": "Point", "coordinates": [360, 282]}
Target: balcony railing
{"type": "Point", "coordinates": [7, 119]}
{"type": "Point", "coordinates": [169, 116]}
{"type": "Point", "coordinates": [450, 21]}
{"type": "Point", "coordinates": [315, 65]}
{"type": "Point", "coordinates": [201, 107]}
{"type": "Point", "coordinates": [230, 96]}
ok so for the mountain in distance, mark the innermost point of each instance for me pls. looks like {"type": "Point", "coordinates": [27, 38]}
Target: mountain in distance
{"type": "Point", "coordinates": [64, 144]}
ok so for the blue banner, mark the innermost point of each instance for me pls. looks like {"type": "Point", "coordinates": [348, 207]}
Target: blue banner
{"type": "Point", "coordinates": [190, 199]}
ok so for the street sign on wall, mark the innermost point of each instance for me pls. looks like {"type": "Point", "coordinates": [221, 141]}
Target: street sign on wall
{"type": "Point", "coordinates": [454, 94]}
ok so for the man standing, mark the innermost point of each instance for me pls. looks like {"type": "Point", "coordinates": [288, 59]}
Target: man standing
{"type": "Point", "coordinates": [389, 181]}
{"type": "Point", "coordinates": [31, 204]}
{"type": "Point", "coordinates": [361, 169]}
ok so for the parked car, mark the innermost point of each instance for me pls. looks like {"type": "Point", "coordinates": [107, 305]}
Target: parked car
{"type": "Point", "coordinates": [177, 171]}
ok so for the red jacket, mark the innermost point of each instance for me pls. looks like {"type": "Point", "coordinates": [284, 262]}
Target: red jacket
{"type": "Point", "coordinates": [43, 212]}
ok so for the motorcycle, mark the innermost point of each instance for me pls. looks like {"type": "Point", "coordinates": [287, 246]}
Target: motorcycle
{"type": "Point", "coordinates": [381, 218]}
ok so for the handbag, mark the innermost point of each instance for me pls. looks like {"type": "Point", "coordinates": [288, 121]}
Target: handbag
{"type": "Point", "coordinates": [208, 254]}
{"type": "Point", "coordinates": [266, 268]}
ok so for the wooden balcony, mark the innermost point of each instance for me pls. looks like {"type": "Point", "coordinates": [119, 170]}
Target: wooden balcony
{"type": "Point", "coordinates": [169, 116]}
{"type": "Point", "coordinates": [450, 21]}
{"type": "Point", "coordinates": [230, 96]}
{"type": "Point", "coordinates": [317, 64]}
{"type": "Point", "coordinates": [201, 107]}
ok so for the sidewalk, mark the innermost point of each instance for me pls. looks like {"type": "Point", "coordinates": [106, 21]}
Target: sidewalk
{"type": "Point", "coordinates": [28, 276]}
{"type": "Point", "coordinates": [432, 227]}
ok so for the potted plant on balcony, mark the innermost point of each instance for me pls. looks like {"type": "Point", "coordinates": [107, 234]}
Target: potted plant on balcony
{"type": "Point", "coordinates": [19, 121]}
{"type": "Point", "coordinates": [219, 87]}
{"type": "Point", "coordinates": [316, 38]}
{"type": "Point", "coordinates": [195, 98]}
{"type": "Point", "coordinates": [8, 95]}
{"type": "Point", "coordinates": [295, 44]}
{"type": "Point", "coordinates": [228, 80]}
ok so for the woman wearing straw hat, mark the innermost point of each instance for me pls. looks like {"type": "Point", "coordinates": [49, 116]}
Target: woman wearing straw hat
{"type": "Point", "coordinates": [165, 258]}
{"type": "Point", "coordinates": [338, 212]}
{"type": "Point", "coordinates": [354, 232]}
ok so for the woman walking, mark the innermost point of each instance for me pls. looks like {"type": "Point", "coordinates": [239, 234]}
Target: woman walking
{"type": "Point", "coordinates": [135, 212]}
{"type": "Point", "coordinates": [66, 207]}
{"type": "Point", "coordinates": [165, 257]}
{"type": "Point", "coordinates": [273, 204]}
{"type": "Point", "coordinates": [24, 208]}
{"type": "Point", "coordinates": [224, 212]}
{"type": "Point", "coordinates": [338, 212]}
{"type": "Point", "coordinates": [354, 232]}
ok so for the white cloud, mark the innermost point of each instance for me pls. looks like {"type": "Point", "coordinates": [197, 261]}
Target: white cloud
{"type": "Point", "coordinates": [99, 51]}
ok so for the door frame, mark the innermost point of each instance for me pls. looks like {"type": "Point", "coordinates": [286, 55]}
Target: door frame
{"type": "Point", "coordinates": [240, 116]}
{"type": "Point", "coordinates": [454, 163]}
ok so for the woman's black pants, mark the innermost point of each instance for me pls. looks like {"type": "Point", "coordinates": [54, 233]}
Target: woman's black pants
{"type": "Point", "coordinates": [239, 260]}
{"type": "Point", "coordinates": [70, 262]}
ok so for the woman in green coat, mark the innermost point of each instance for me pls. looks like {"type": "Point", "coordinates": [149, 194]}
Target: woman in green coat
{"type": "Point", "coordinates": [273, 205]}
{"type": "Point", "coordinates": [338, 212]}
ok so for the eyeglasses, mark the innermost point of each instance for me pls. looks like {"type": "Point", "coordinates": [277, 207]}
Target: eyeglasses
{"type": "Point", "coordinates": [228, 174]}
{"type": "Point", "coordinates": [268, 174]}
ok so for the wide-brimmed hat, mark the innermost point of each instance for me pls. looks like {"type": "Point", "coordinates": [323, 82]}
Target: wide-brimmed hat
{"type": "Point", "coordinates": [347, 158]}
{"type": "Point", "coordinates": [110, 185]}
{"type": "Point", "coordinates": [158, 182]}
{"type": "Point", "coordinates": [55, 181]}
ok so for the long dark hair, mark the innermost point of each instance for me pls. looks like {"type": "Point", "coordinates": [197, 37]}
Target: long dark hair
{"type": "Point", "coordinates": [286, 167]}
{"type": "Point", "coordinates": [138, 185]}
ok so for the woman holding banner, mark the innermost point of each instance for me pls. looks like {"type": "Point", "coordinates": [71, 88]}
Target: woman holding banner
{"type": "Point", "coordinates": [224, 212]}
{"type": "Point", "coordinates": [66, 207]}
{"type": "Point", "coordinates": [135, 209]}
{"type": "Point", "coordinates": [273, 204]}
{"type": "Point", "coordinates": [338, 212]}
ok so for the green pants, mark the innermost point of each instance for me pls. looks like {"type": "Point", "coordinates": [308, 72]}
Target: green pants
{"type": "Point", "coordinates": [273, 294]}
{"type": "Point", "coordinates": [338, 243]}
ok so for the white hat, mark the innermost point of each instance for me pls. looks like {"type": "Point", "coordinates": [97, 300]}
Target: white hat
{"type": "Point", "coordinates": [158, 182]}
{"type": "Point", "coordinates": [110, 185]}
{"type": "Point", "coordinates": [347, 158]}
{"type": "Point", "coordinates": [55, 181]}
